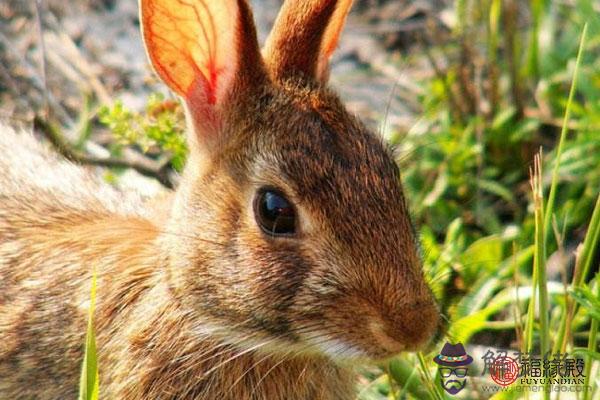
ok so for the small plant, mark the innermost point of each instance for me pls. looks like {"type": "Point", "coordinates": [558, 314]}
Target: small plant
{"type": "Point", "coordinates": [160, 129]}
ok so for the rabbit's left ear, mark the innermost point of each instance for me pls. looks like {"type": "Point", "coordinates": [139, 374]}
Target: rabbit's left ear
{"type": "Point", "coordinates": [207, 52]}
{"type": "Point", "coordinates": [304, 37]}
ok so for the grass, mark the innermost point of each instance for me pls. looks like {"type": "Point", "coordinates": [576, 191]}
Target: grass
{"type": "Point", "coordinates": [89, 382]}
{"type": "Point", "coordinates": [510, 232]}
{"type": "Point", "coordinates": [543, 226]}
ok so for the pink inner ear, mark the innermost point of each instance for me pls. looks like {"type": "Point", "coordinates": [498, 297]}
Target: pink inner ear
{"type": "Point", "coordinates": [213, 73]}
{"type": "Point", "coordinates": [212, 84]}
{"type": "Point", "coordinates": [201, 100]}
{"type": "Point", "coordinates": [204, 89]}
{"type": "Point", "coordinates": [193, 45]}
{"type": "Point", "coordinates": [204, 96]}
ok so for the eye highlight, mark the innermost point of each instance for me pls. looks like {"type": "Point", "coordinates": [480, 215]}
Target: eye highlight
{"type": "Point", "coordinates": [274, 213]}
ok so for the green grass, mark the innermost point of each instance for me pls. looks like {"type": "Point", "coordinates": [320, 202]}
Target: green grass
{"type": "Point", "coordinates": [482, 237]}
{"type": "Point", "coordinates": [89, 383]}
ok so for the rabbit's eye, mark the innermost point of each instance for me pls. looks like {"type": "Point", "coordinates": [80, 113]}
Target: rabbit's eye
{"type": "Point", "coordinates": [274, 213]}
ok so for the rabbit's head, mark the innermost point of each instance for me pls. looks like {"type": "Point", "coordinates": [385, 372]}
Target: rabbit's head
{"type": "Point", "coordinates": [289, 229]}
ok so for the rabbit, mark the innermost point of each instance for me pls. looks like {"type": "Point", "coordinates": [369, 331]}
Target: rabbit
{"type": "Point", "coordinates": [286, 257]}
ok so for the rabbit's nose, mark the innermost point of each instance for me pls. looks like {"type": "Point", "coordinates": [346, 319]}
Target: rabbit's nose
{"type": "Point", "coordinates": [407, 327]}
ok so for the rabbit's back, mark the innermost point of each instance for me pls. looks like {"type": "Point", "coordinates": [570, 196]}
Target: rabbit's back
{"type": "Point", "coordinates": [28, 170]}
{"type": "Point", "coordinates": [57, 222]}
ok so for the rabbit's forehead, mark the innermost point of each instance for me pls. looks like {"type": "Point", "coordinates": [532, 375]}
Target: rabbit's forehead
{"type": "Point", "coordinates": [342, 173]}
{"type": "Point", "coordinates": [345, 174]}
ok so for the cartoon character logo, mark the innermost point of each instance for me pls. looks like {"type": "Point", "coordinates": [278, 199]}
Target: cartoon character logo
{"type": "Point", "coordinates": [453, 363]}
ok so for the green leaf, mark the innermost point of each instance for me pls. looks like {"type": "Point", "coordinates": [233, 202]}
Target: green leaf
{"type": "Point", "coordinates": [484, 253]}
{"type": "Point", "coordinates": [406, 376]}
{"type": "Point", "coordinates": [497, 189]}
{"type": "Point", "coordinates": [580, 351]}
{"type": "Point", "coordinates": [586, 299]}
{"type": "Point", "coordinates": [464, 328]}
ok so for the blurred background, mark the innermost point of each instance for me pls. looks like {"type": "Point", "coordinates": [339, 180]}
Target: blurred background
{"type": "Point", "coordinates": [468, 92]}
{"type": "Point", "coordinates": [93, 49]}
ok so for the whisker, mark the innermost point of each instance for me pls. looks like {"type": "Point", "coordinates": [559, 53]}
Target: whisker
{"type": "Point", "coordinates": [230, 359]}
{"type": "Point", "coordinates": [388, 106]}
{"type": "Point", "coordinates": [261, 380]}
{"type": "Point", "coordinates": [239, 379]}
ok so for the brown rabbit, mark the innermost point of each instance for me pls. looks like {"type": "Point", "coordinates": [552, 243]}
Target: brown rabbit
{"type": "Point", "coordinates": [287, 254]}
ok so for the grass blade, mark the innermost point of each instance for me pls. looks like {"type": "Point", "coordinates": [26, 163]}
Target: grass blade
{"type": "Point", "coordinates": [560, 342]}
{"type": "Point", "coordinates": [88, 384]}
{"type": "Point", "coordinates": [543, 225]}
{"type": "Point", "coordinates": [590, 244]}
{"type": "Point", "coordinates": [563, 135]}
{"type": "Point", "coordinates": [592, 345]}
{"type": "Point", "coordinates": [539, 283]}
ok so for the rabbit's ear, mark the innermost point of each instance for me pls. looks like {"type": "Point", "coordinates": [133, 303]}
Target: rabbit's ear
{"type": "Point", "coordinates": [304, 37]}
{"type": "Point", "coordinates": [207, 52]}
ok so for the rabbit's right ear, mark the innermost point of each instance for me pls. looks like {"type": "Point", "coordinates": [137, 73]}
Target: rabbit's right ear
{"type": "Point", "coordinates": [207, 52]}
{"type": "Point", "coordinates": [304, 37]}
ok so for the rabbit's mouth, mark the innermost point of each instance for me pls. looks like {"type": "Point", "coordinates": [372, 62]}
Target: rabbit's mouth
{"type": "Point", "coordinates": [335, 348]}
{"type": "Point", "coordinates": [359, 330]}
{"type": "Point", "coordinates": [342, 351]}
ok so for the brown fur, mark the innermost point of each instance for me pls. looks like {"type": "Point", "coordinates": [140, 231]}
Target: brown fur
{"type": "Point", "coordinates": [199, 303]}
{"type": "Point", "coordinates": [304, 37]}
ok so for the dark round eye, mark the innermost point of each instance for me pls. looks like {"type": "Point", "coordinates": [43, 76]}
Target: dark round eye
{"type": "Point", "coordinates": [274, 213]}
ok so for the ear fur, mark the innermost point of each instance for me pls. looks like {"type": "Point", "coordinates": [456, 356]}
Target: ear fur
{"type": "Point", "coordinates": [304, 37]}
{"type": "Point", "coordinates": [207, 52]}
